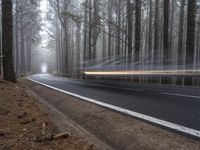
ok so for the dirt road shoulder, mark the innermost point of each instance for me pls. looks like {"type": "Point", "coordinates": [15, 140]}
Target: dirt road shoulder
{"type": "Point", "coordinates": [24, 125]}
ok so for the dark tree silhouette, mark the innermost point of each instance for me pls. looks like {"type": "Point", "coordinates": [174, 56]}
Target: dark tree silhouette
{"type": "Point", "coordinates": [7, 47]}
{"type": "Point", "coordinates": [190, 32]}
{"type": "Point", "coordinates": [137, 29]}
{"type": "Point", "coordinates": [156, 35]}
{"type": "Point", "coordinates": [166, 51]}
{"type": "Point", "coordinates": [180, 34]}
{"type": "Point", "coordinates": [130, 27]}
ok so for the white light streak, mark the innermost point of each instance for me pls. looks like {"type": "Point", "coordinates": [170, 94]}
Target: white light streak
{"type": "Point", "coordinates": [145, 72]}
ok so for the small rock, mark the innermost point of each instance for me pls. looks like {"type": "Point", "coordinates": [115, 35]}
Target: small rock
{"type": "Point", "coordinates": [91, 146]}
{"type": "Point", "coordinates": [20, 104]}
{"type": "Point", "coordinates": [2, 134]}
{"type": "Point", "coordinates": [27, 138]}
{"type": "Point", "coordinates": [25, 121]}
{"type": "Point", "coordinates": [4, 112]}
{"type": "Point", "coordinates": [22, 115]}
{"type": "Point", "coordinates": [45, 138]}
{"type": "Point", "coordinates": [6, 147]}
{"type": "Point", "coordinates": [21, 136]}
{"type": "Point", "coordinates": [33, 119]}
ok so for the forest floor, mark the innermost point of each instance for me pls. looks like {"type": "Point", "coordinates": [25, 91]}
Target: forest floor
{"type": "Point", "coordinates": [23, 125]}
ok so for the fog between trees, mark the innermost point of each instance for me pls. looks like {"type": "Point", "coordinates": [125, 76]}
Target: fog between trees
{"type": "Point", "coordinates": [75, 34]}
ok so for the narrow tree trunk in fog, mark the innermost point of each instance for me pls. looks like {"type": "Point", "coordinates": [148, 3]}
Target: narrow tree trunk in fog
{"type": "Point", "coordinates": [104, 38]}
{"type": "Point", "coordinates": [118, 27]}
{"type": "Point", "coordinates": [137, 30]}
{"type": "Point", "coordinates": [150, 33]}
{"type": "Point", "coordinates": [29, 50]}
{"type": "Point", "coordinates": [166, 51]}
{"type": "Point", "coordinates": [172, 24]}
{"type": "Point", "coordinates": [95, 29]}
{"type": "Point", "coordinates": [198, 44]}
{"type": "Point", "coordinates": [180, 35]}
{"type": "Point", "coordinates": [57, 48]}
{"type": "Point", "coordinates": [109, 27]}
{"type": "Point", "coordinates": [190, 33]}
{"type": "Point", "coordinates": [22, 65]}
{"type": "Point", "coordinates": [1, 67]}
{"type": "Point", "coordinates": [90, 29]}
{"type": "Point", "coordinates": [7, 46]}
{"type": "Point", "coordinates": [190, 41]}
{"type": "Point", "coordinates": [172, 53]}
{"type": "Point", "coordinates": [66, 49]}
{"type": "Point", "coordinates": [78, 41]}
{"type": "Point", "coordinates": [85, 32]}
{"type": "Point", "coordinates": [156, 35]}
{"type": "Point", "coordinates": [17, 43]}
{"type": "Point", "coordinates": [130, 28]}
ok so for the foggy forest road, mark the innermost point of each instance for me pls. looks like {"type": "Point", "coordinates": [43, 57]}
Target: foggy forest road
{"type": "Point", "coordinates": [173, 107]}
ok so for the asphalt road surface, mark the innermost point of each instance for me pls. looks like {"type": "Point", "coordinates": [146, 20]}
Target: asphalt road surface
{"type": "Point", "coordinates": [180, 106]}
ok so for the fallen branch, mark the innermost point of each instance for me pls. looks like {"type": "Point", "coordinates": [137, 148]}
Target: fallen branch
{"type": "Point", "coordinates": [62, 135]}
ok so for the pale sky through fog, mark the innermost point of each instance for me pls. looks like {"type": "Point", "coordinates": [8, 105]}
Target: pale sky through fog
{"type": "Point", "coordinates": [43, 8]}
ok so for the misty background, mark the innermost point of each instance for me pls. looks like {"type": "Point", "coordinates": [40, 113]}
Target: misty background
{"type": "Point", "coordinates": [72, 36]}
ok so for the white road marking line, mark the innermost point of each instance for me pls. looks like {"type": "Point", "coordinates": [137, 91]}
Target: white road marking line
{"type": "Point", "coordinates": [182, 95]}
{"type": "Point", "coordinates": [167, 124]}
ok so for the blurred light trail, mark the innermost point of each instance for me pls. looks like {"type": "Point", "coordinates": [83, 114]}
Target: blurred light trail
{"type": "Point", "coordinates": [145, 72]}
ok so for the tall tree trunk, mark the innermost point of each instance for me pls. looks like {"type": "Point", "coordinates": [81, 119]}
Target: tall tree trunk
{"type": "Point", "coordinates": [118, 28]}
{"type": "Point", "coordinates": [17, 42]}
{"type": "Point", "coordinates": [7, 37]}
{"type": "Point", "coordinates": [57, 48]}
{"type": "Point", "coordinates": [150, 33]}
{"type": "Point", "coordinates": [137, 30]}
{"type": "Point", "coordinates": [1, 59]}
{"type": "Point", "coordinates": [95, 29]}
{"type": "Point", "coordinates": [109, 28]}
{"type": "Point", "coordinates": [22, 68]}
{"type": "Point", "coordinates": [78, 40]}
{"type": "Point", "coordinates": [190, 41]}
{"type": "Point", "coordinates": [172, 24]}
{"type": "Point", "coordinates": [85, 32]}
{"type": "Point", "coordinates": [66, 50]}
{"type": "Point", "coordinates": [29, 51]}
{"type": "Point", "coordinates": [190, 33]}
{"type": "Point", "coordinates": [156, 35]}
{"type": "Point", "coordinates": [172, 32]}
{"type": "Point", "coordinates": [166, 51]}
{"type": "Point", "coordinates": [66, 41]}
{"type": "Point", "coordinates": [198, 45]}
{"type": "Point", "coordinates": [90, 30]}
{"type": "Point", "coordinates": [180, 35]}
{"type": "Point", "coordinates": [104, 45]}
{"type": "Point", "coordinates": [180, 55]}
{"type": "Point", "coordinates": [130, 28]}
